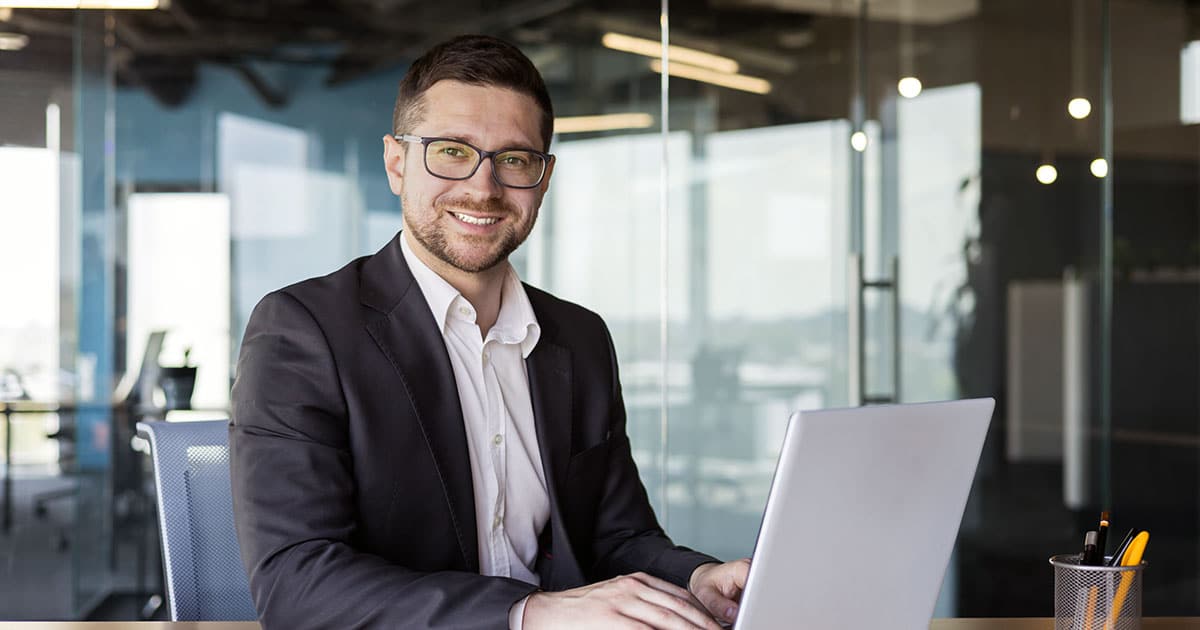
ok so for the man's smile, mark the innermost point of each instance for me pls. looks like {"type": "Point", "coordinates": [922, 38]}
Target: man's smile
{"type": "Point", "coordinates": [474, 220]}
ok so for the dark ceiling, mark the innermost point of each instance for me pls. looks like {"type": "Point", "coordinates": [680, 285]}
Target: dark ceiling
{"type": "Point", "coordinates": [160, 50]}
{"type": "Point", "coordinates": [1027, 67]}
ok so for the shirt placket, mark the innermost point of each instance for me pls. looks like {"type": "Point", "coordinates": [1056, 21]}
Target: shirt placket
{"type": "Point", "coordinates": [468, 332]}
{"type": "Point", "coordinates": [495, 423]}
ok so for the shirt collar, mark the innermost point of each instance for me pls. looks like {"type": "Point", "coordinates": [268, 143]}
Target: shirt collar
{"type": "Point", "coordinates": [516, 323]}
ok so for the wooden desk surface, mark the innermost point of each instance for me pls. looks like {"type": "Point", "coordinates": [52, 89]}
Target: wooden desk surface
{"type": "Point", "coordinates": [1150, 623]}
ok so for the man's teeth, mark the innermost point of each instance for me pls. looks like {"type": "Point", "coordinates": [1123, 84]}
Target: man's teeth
{"type": "Point", "coordinates": [466, 218]}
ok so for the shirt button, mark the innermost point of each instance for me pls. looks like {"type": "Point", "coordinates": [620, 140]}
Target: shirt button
{"type": "Point", "coordinates": [464, 311]}
{"type": "Point", "coordinates": [487, 357]}
{"type": "Point", "coordinates": [497, 439]}
{"type": "Point", "coordinates": [495, 522]}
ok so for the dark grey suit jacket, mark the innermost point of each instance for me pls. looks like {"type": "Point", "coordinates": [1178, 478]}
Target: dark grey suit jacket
{"type": "Point", "coordinates": [351, 477]}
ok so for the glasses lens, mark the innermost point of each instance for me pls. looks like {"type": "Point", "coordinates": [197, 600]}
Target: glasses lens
{"type": "Point", "coordinates": [447, 158]}
{"type": "Point", "coordinates": [519, 168]}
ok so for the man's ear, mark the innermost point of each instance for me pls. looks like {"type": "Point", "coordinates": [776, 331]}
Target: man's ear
{"type": "Point", "coordinates": [546, 178]}
{"type": "Point", "coordinates": [393, 164]}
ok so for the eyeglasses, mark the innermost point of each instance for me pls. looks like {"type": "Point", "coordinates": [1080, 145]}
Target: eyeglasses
{"type": "Point", "coordinates": [450, 158]}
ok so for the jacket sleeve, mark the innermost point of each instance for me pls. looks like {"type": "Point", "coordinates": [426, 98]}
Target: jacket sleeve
{"type": "Point", "coordinates": [293, 494]}
{"type": "Point", "coordinates": [628, 537]}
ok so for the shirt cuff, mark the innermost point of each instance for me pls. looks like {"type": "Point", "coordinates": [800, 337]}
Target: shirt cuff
{"type": "Point", "coordinates": [516, 614]}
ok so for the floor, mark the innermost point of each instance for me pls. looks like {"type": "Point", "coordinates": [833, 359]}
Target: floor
{"type": "Point", "coordinates": [58, 565]}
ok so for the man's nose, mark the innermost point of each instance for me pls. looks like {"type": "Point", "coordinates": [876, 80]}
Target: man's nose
{"type": "Point", "coordinates": [483, 181]}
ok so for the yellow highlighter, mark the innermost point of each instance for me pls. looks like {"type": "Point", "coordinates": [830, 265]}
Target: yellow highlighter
{"type": "Point", "coordinates": [1131, 558]}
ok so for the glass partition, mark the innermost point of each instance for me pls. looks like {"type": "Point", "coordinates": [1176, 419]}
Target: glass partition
{"type": "Point", "coordinates": [1153, 435]}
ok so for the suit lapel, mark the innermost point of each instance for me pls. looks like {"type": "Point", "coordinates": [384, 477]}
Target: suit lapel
{"type": "Point", "coordinates": [549, 367]}
{"type": "Point", "coordinates": [405, 330]}
{"type": "Point", "coordinates": [550, 382]}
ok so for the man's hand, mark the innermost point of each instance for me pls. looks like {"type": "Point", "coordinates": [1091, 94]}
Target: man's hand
{"type": "Point", "coordinates": [629, 601]}
{"type": "Point", "coordinates": [719, 587]}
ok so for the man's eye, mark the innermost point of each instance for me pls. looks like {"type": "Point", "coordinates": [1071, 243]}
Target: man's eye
{"type": "Point", "coordinates": [515, 160]}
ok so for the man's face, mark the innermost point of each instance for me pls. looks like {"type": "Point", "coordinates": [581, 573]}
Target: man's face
{"type": "Point", "coordinates": [471, 224]}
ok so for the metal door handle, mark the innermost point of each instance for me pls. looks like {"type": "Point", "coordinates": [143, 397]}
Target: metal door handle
{"type": "Point", "coordinates": [857, 286]}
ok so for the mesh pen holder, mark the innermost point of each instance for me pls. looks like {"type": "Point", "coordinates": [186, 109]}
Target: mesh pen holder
{"type": "Point", "coordinates": [1096, 598]}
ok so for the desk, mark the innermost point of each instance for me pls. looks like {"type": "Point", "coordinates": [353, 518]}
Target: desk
{"type": "Point", "coordinates": [1150, 623]}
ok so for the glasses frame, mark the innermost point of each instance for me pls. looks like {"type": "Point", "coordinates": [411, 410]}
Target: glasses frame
{"type": "Point", "coordinates": [426, 140]}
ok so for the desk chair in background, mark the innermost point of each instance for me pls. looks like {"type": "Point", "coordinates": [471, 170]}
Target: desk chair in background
{"type": "Point", "coordinates": [201, 558]}
{"type": "Point", "coordinates": [12, 390]}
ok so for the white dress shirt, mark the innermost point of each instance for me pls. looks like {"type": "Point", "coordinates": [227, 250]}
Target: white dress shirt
{"type": "Point", "coordinates": [512, 505]}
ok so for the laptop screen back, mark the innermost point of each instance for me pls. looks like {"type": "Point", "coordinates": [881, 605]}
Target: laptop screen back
{"type": "Point", "coordinates": [862, 516]}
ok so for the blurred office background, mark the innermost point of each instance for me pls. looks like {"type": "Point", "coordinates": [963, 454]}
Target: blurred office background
{"type": "Point", "coordinates": [839, 202]}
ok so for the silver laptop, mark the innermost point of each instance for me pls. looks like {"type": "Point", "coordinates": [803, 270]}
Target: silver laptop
{"type": "Point", "coordinates": [862, 516]}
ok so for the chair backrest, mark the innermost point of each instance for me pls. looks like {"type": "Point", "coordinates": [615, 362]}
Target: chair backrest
{"type": "Point", "coordinates": [205, 578]}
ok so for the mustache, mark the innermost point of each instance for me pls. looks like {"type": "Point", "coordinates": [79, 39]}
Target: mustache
{"type": "Point", "coordinates": [490, 207]}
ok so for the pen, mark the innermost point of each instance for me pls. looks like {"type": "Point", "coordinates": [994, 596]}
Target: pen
{"type": "Point", "coordinates": [1102, 536]}
{"type": "Point", "coordinates": [1131, 558]}
{"type": "Point", "coordinates": [1115, 560]}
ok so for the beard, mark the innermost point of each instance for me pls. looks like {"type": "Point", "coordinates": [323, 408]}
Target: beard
{"type": "Point", "coordinates": [470, 252]}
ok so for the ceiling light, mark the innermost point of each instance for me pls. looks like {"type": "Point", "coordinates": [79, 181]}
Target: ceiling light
{"type": "Point", "coordinates": [796, 39]}
{"type": "Point", "coordinates": [1079, 108]}
{"type": "Point", "coordinates": [13, 41]}
{"type": "Point", "coordinates": [733, 81]}
{"type": "Point", "coordinates": [1047, 174]}
{"type": "Point", "coordinates": [652, 48]}
{"type": "Point", "coordinates": [858, 140]}
{"type": "Point", "coordinates": [53, 127]}
{"type": "Point", "coordinates": [909, 87]}
{"type": "Point", "coordinates": [80, 4]}
{"type": "Point", "coordinates": [1189, 83]}
{"type": "Point", "coordinates": [5, 14]}
{"type": "Point", "coordinates": [1099, 168]}
{"type": "Point", "coordinates": [602, 122]}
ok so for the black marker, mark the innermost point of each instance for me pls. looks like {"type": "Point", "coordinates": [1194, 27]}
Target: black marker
{"type": "Point", "coordinates": [1089, 555]}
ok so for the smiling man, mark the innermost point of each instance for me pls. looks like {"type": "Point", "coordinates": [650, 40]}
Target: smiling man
{"type": "Point", "coordinates": [421, 440]}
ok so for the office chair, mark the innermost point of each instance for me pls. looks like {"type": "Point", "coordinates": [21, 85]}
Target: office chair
{"type": "Point", "coordinates": [65, 436]}
{"type": "Point", "coordinates": [202, 562]}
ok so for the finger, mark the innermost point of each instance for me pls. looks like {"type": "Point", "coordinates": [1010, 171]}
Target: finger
{"type": "Point", "coordinates": [661, 585]}
{"type": "Point", "coordinates": [665, 616]}
{"type": "Point", "coordinates": [631, 623]}
{"type": "Point", "coordinates": [683, 606]}
{"type": "Point", "coordinates": [721, 607]}
{"type": "Point", "coordinates": [741, 573]}
{"type": "Point", "coordinates": [678, 595]}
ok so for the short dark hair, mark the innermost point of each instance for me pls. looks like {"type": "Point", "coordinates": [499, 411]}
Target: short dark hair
{"type": "Point", "coordinates": [475, 60]}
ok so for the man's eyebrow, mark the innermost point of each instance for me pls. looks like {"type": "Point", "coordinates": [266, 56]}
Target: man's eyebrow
{"type": "Point", "coordinates": [473, 139]}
